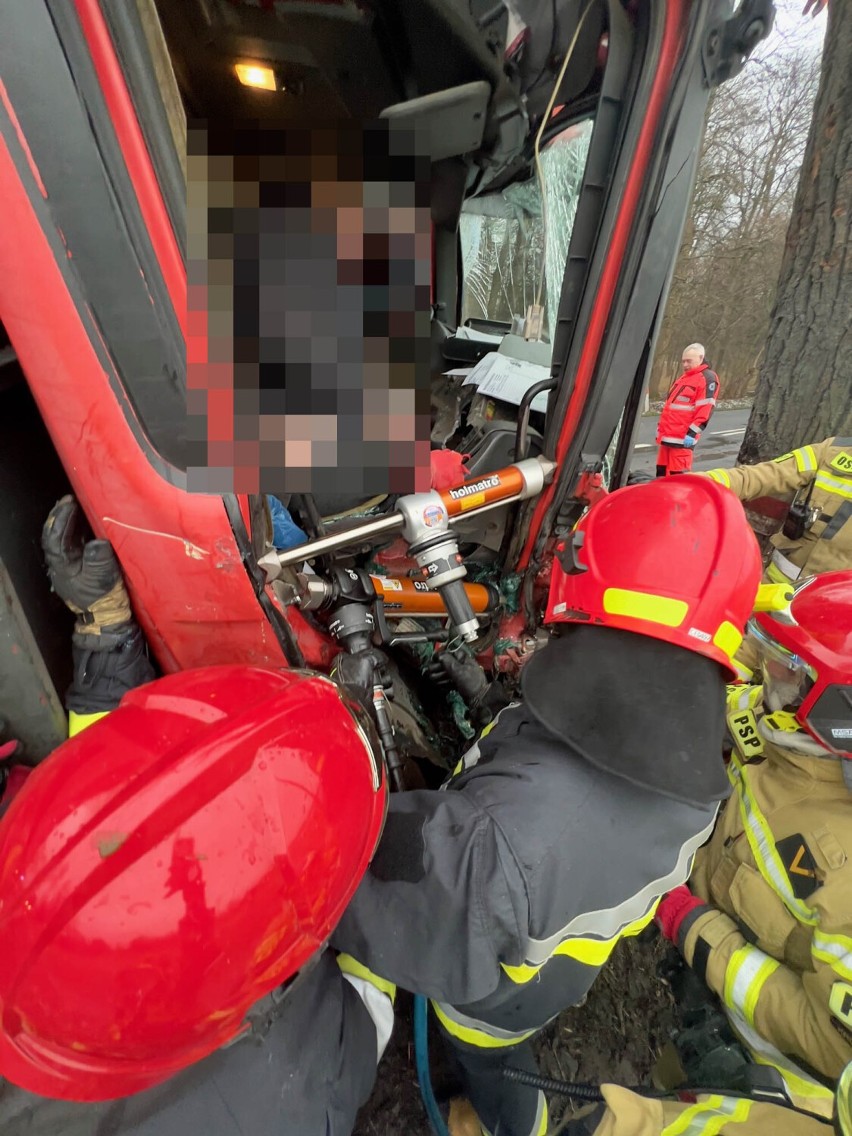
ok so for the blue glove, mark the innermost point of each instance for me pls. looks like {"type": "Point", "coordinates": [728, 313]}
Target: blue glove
{"type": "Point", "coordinates": [689, 442]}
{"type": "Point", "coordinates": [285, 532]}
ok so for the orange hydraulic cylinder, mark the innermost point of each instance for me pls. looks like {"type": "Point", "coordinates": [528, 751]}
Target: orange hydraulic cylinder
{"type": "Point", "coordinates": [500, 486]}
{"type": "Point", "coordinates": [403, 596]}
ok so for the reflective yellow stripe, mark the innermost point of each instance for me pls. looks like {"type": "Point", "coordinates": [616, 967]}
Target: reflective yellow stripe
{"type": "Point", "coordinates": [79, 722]}
{"type": "Point", "coordinates": [349, 965]}
{"type": "Point", "coordinates": [762, 844]}
{"type": "Point", "coordinates": [832, 485]}
{"type": "Point", "coordinates": [471, 757]}
{"type": "Point", "coordinates": [543, 1119]}
{"type": "Point", "coordinates": [806, 461]}
{"type": "Point", "coordinates": [728, 638]}
{"type": "Point", "coordinates": [590, 952]}
{"type": "Point", "coordinates": [844, 1101]}
{"type": "Point", "coordinates": [720, 475]}
{"type": "Point", "coordinates": [739, 697]}
{"type": "Point", "coordinates": [643, 605]}
{"type": "Point", "coordinates": [478, 1036]}
{"type": "Point", "coordinates": [746, 974]}
{"type": "Point", "coordinates": [775, 574]}
{"type": "Point", "coordinates": [815, 1096]}
{"type": "Point", "coordinates": [836, 950]}
{"type": "Point", "coordinates": [709, 1117]}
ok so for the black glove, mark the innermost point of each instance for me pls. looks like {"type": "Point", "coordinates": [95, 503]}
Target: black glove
{"type": "Point", "coordinates": [484, 699]}
{"type": "Point", "coordinates": [86, 575]}
{"type": "Point", "coordinates": [468, 676]}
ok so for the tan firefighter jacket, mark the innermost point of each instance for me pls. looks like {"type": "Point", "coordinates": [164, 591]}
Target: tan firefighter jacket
{"type": "Point", "coordinates": [825, 468]}
{"type": "Point", "coordinates": [711, 1114]}
{"type": "Point", "coordinates": [776, 944]}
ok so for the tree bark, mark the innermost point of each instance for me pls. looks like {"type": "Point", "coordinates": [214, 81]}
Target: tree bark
{"type": "Point", "coordinates": [804, 391]}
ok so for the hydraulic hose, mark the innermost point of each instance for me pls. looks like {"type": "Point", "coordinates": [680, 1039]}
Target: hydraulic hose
{"type": "Point", "coordinates": [549, 1085]}
{"type": "Point", "coordinates": [421, 1061]}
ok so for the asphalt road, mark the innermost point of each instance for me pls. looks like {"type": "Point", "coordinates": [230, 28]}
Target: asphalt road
{"type": "Point", "coordinates": [719, 445]}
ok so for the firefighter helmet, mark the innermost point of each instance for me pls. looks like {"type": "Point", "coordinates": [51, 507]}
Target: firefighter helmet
{"type": "Point", "coordinates": [170, 866]}
{"type": "Point", "coordinates": [674, 559]}
{"type": "Point", "coordinates": [806, 658]}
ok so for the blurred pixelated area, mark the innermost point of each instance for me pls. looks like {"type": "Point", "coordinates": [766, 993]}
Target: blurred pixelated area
{"type": "Point", "coordinates": [309, 264]}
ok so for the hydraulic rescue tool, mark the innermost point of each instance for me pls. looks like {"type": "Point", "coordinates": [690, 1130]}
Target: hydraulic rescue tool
{"type": "Point", "coordinates": [355, 605]}
{"type": "Point", "coordinates": [425, 521]}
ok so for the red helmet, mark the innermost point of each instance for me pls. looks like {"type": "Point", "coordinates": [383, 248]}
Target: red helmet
{"type": "Point", "coordinates": [168, 867]}
{"type": "Point", "coordinates": [674, 559]}
{"type": "Point", "coordinates": [806, 656]}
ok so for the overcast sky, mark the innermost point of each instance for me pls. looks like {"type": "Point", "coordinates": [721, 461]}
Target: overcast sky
{"type": "Point", "coordinates": [792, 27]}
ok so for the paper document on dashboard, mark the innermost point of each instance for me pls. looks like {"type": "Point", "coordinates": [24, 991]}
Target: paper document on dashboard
{"type": "Point", "coordinates": [508, 379]}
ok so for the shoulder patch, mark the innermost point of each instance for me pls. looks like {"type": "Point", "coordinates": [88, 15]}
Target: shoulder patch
{"type": "Point", "coordinates": [840, 1003]}
{"type": "Point", "coordinates": [801, 866]}
{"type": "Point", "coordinates": [743, 728]}
{"type": "Point", "coordinates": [842, 463]}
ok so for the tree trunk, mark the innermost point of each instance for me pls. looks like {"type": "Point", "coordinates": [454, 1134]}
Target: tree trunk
{"type": "Point", "coordinates": [804, 391]}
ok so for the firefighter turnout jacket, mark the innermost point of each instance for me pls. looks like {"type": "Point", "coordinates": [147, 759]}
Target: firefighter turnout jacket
{"type": "Point", "coordinates": [688, 406]}
{"type": "Point", "coordinates": [305, 1068]}
{"type": "Point", "coordinates": [501, 896]}
{"type": "Point", "coordinates": [709, 1114]}
{"type": "Point", "coordinates": [821, 475]}
{"type": "Point", "coordinates": [775, 939]}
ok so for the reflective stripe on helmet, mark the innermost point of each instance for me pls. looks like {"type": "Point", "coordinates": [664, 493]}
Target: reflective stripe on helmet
{"type": "Point", "coordinates": [747, 971]}
{"type": "Point", "coordinates": [728, 638]}
{"type": "Point", "coordinates": [642, 605]}
{"type": "Point", "coordinates": [762, 844]}
{"type": "Point", "coordinates": [709, 1117]}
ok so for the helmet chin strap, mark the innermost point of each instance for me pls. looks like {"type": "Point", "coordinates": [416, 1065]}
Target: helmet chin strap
{"type": "Point", "coordinates": [783, 729]}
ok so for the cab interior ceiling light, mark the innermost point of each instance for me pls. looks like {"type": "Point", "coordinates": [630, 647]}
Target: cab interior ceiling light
{"type": "Point", "coordinates": [259, 75]}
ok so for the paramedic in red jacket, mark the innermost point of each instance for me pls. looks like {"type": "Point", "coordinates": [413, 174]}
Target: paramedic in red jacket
{"type": "Point", "coordinates": [686, 412]}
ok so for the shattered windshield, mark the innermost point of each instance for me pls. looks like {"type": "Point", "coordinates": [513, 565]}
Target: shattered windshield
{"type": "Point", "coordinates": [513, 250]}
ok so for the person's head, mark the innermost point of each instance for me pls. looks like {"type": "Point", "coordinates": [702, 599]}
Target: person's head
{"type": "Point", "coordinates": [806, 660]}
{"type": "Point", "coordinates": [169, 867]}
{"type": "Point", "coordinates": [649, 595]}
{"type": "Point", "coordinates": [692, 357]}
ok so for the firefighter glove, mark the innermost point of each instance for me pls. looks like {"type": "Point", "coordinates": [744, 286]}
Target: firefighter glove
{"type": "Point", "coordinates": [85, 573]}
{"type": "Point", "coordinates": [466, 673]}
{"type": "Point", "coordinates": [673, 909]}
